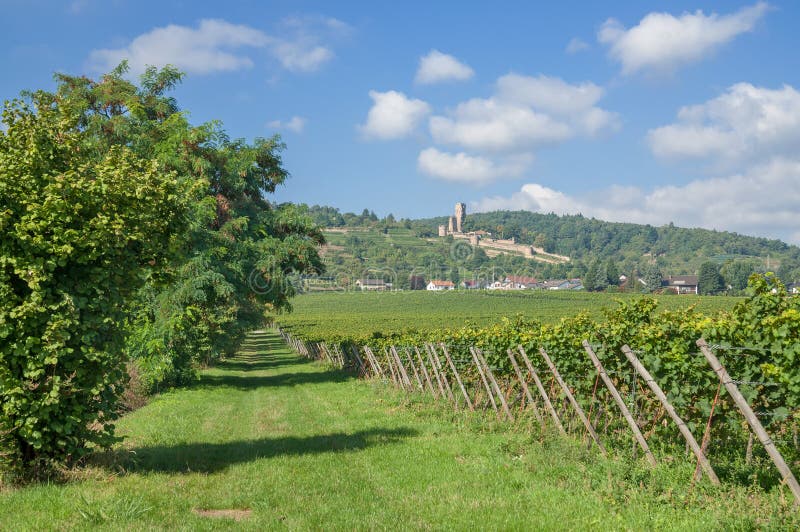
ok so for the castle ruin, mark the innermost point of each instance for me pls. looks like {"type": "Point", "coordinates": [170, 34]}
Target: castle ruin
{"type": "Point", "coordinates": [455, 224]}
{"type": "Point", "coordinates": [461, 216]}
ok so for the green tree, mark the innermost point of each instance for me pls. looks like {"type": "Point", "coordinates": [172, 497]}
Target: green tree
{"type": "Point", "coordinates": [240, 253]}
{"type": "Point", "coordinates": [455, 276]}
{"type": "Point", "coordinates": [590, 279]}
{"type": "Point", "coordinates": [612, 272]}
{"type": "Point", "coordinates": [600, 276]}
{"type": "Point", "coordinates": [121, 213]}
{"type": "Point", "coordinates": [652, 278]}
{"type": "Point", "coordinates": [82, 229]}
{"type": "Point", "coordinates": [737, 273]}
{"type": "Point", "coordinates": [709, 279]}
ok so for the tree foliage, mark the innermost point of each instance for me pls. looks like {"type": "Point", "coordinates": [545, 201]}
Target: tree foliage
{"type": "Point", "coordinates": [709, 279]}
{"type": "Point", "coordinates": [81, 228]}
{"type": "Point", "coordinates": [128, 233]}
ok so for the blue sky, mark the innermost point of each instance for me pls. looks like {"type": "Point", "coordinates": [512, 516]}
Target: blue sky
{"type": "Point", "coordinates": [684, 112]}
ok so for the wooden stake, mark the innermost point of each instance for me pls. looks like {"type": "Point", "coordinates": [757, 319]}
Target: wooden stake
{"type": "Point", "coordinates": [379, 373]}
{"type": "Point", "coordinates": [621, 404]}
{"type": "Point", "coordinates": [524, 384]}
{"type": "Point", "coordinates": [496, 387]}
{"type": "Point", "coordinates": [457, 376]}
{"type": "Point", "coordinates": [401, 368]}
{"type": "Point", "coordinates": [435, 371]}
{"type": "Point", "coordinates": [539, 386]}
{"type": "Point", "coordinates": [571, 398]}
{"type": "Point", "coordinates": [414, 367]}
{"type": "Point", "coordinates": [485, 382]}
{"type": "Point", "coordinates": [441, 373]}
{"type": "Point", "coordinates": [361, 365]}
{"type": "Point", "coordinates": [395, 376]}
{"type": "Point", "coordinates": [373, 371]}
{"type": "Point", "coordinates": [684, 430]}
{"type": "Point", "coordinates": [425, 372]}
{"type": "Point", "coordinates": [751, 418]}
{"type": "Point", "coordinates": [706, 439]}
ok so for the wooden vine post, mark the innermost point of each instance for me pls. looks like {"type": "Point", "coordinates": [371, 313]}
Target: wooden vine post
{"type": "Point", "coordinates": [472, 350]}
{"type": "Point", "coordinates": [525, 388]}
{"type": "Point", "coordinates": [620, 403]}
{"type": "Point", "coordinates": [425, 372]}
{"type": "Point", "coordinates": [539, 386]}
{"type": "Point", "coordinates": [684, 430]}
{"type": "Point", "coordinates": [572, 400]}
{"type": "Point", "coordinates": [395, 375]}
{"type": "Point", "coordinates": [440, 367]}
{"type": "Point", "coordinates": [361, 365]}
{"type": "Point", "coordinates": [414, 367]}
{"type": "Point", "coordinates": [374, 361]}
{"type": "Point", "coordinates": [496, 387]}
{"type": "Point", "coordinates": [435, 371]}
{"type": "Point", "coordinates": [457, 376]}
{"type": "Point", "coordinates": [751, 418]}
{"type": "Point", "coordinates": [401, 368]}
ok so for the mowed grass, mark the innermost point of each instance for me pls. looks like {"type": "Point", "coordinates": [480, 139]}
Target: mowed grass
{"type": "Point", "coordinates": [362, 314]}
{"type": "Point", "coordinates": [271, 441]}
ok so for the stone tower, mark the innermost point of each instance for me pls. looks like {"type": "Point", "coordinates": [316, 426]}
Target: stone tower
{"type": "Point", "coordinates": [451, 225]}
{"type": "Point", "coordinates": [461, 216]}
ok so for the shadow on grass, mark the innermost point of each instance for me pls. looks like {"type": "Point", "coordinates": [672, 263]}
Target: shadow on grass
{"type": "Point", "coordinates": [260, 363]}
{"type": "Point", "coordinates": [212, 457]}
{"type": "Point", "coordinates": [245, 382]}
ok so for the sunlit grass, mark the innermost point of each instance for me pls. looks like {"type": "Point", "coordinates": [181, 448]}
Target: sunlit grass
{"type": "Point", "coordinates": [275, 442]}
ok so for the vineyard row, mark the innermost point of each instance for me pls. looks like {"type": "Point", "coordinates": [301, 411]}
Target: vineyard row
{"type": "Point", "coordinates": [430, 373]}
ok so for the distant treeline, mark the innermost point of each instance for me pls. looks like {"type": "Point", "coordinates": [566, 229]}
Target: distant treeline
{"type": "Point", "coordinates": [635, 248]}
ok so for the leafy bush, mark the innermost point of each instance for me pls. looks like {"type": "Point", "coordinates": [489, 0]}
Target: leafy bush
{"type": "Point", "coordinates": [80, 230]}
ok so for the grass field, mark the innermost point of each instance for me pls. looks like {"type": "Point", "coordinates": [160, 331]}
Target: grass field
{"type": "Point", "coordinates": [281, 443]}
{"type": "Point", "coordinates": [318, 316]}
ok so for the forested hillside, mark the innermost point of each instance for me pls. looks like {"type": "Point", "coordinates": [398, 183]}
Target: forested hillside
{"type": "Point", "coordinates": [624, 247]}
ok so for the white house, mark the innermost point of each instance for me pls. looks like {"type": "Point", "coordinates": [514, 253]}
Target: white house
{"type": "Point", "coordinates": [556, 284]}
{"type": "Point", "coordinates": [373, 284]}
{"type": "Point", "coordinates": [437, 285]}
{"type": "Point", "coordinates": [519, 282]}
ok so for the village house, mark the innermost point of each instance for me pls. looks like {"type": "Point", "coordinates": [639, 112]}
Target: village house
{"type": "Point", "coordinates": [474, 284]}
{"type": "Point", "coordinates": [519, 282]}
{"type": "Point", "coordinates": [575, 284]}
{"type": "Point", "coordinates": [436, 285]}
{"type": "Point", "coordinates": [681, 284]}
{"type": "Point", "coordinates": [556, 284]}
{"type": "Point", "coordinates": [793, 288]}
{"type": "Point", "coordinates": [373, 284]}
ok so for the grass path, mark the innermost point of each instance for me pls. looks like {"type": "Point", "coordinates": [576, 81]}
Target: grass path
{"type": "Point", "coordinates": [279, 442]}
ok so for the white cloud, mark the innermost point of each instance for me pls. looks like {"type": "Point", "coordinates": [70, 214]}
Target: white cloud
{"type": "Point", "coordinates": [393, 115]}
{"type": "Point", "coordinates": [301, 57]}
{"type": "Point", "coordinates": [744, 125]}
{"type": "Point", "coordinates": [296, 124]}
{"type": "Point", "coordinates": [493, 125]}
{"type": "Point", "coordinates": [218, 46]}
{"type": "Point", "coordinates": [208, 48]}
{"type": "Point", "coordinates": [765, 200]}
{"type": "Point", "coordinates": [437, 67]}
{"type": "Point", "coordinates": [576, 45]}
{"type": "Point", "coordinates": [463, 168]}
{"type": "Point", "coordinates": [549, 94]}
{"type": "Point", "coordinates": [302, 47]}
{"type": "Point", "coordinates": [524, 114]}
{"type": "Point", "coordinates": [663, 42]}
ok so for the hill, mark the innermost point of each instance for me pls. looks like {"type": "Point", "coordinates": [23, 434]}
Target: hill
{"type": "Point", "coordinates": [360, 243]}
